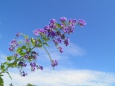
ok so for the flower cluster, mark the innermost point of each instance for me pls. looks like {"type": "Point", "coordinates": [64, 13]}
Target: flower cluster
{"type": "Point", "coordinates": [55, 32]}
{"type": "Point", "coordinates": [13, 44]}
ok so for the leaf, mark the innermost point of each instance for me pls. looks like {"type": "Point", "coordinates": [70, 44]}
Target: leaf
{"type": "Point", "coordinates": [33, 41]}
{"type": "Point", "coordinates": [19, 50]}
{"type": "Point", "coordinates": [23, 47]}
{"type": "Point", "coordinates": [6, 63]}
{"type": "Point", "coordinates": [39, 40]}
{"type": "Point", "coordinates": [40, 45]}
{"type": "Point", "coordinates": [2, 66]}
{"type": "Point", "coordinates": [46, 39]}
{"type": "Point", "coordinates": [58, 25]}
{"type": "Point", "coordinates": [9, 75]}
{"type": "Point", "coordinates": [9, 58]}
{"type": "Point", "coordinates": [1, 82]}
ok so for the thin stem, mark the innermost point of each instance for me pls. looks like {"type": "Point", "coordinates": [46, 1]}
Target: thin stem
{"type": "Point", "coordinates": [47, 53]}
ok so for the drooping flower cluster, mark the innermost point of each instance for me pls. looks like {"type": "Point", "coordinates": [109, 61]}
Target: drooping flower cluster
{"type": "Point", "coordinates": [55, 32]}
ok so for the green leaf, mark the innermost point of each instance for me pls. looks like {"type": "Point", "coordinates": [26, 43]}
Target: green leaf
{"type": "Point", "coordinates": [19, 50]}
{"type": "Point", "coordinates": [33, 41]}
{"type": "Point", "coordinates": [9, 75]}
{"type": "Point", "coordinates": [2, 66]}
{"type": "Point", "coordinates": [39, 40]}
{"type": "Point", "coordinates": [40, 45]}
{"type": "Point", "coordinates": [58, 25]}
{"type": "Point", "coordinates": [23, 47]}
{"type": "Point", "coordinates": [6, 63]}
{"type": "Point", "coordinates": [9, 58]}
{"type": "Point", "coordinates": [1, 82]}
{"type": "Point", "coordinates": [46, 39]}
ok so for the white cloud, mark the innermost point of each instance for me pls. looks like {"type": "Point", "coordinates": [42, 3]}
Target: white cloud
{"type": "Point", "coordinates": [63, 78]}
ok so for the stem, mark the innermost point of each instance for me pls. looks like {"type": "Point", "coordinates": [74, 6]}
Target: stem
{"type": "Point", "coordinates": [47, 53]}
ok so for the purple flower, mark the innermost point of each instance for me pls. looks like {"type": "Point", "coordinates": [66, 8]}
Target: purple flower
{"type": "Point", "coordinates": [59, 40]}
{"type": "Point", "coordinates": [63, 19]}
{"type": "Point", "coordinates": [52, 34]}
{"type": "Point", "coordinates": [15, 55]}
{"type": "Point", "coordinates": [11, 48]}
{"type": "Point", "coordinates": [70, 29]}
{"type": "Point", "coordinates": [27, 40]}
{"type": "Point", "coordinates": [65, 30]}
{"type": "Point", "coordinates": [72, 22]}
{"type": "Point", "coordinates": [26, 56]}
{"type": "Point", "coordinates": [62, 36]}
{"type": "Point", "coordinates": [18, 34]}
{"type": "Point", "coordinates": [23, 74]}
{"type": "Point", "coordinates": [62, 26]}
{"type": "Point", "coordinates": [22, 64]}
{"type": "Point", "coordinates": [52, 21]}
{"type": "Point", "coordinates": [54, 63]}
{"type": "Point", "coordinates": [60, 49]}
{"type": "Point", "coordinates": [33, 65]}
{"type": "Point", "coordinates": [34, 54]}
{"type": "Point", "coordinates": [81, 22]}
{"type": "Point", "coordinates": [14, 42]}
{"type": "Point", "coordinates": [46, 27]}
{"type": "Point", "coordinates": [66, 41]}
{"type": "Point", "coordinates": [36, 32]}
{"type": "Point", "coordinates": [39, 31]}
{"type": "Point", "coordinates": [40, 67]}
{"type": "Point", "coordinates": [52, 25]}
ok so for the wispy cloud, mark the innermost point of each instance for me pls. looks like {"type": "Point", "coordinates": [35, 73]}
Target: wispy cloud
{"type": "Point", "coordinates": [63, 78]}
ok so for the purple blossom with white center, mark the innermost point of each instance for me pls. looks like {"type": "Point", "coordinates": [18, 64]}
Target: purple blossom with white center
{"type": "Point", "coordinates": [46, 27]}
{"type": "Point", "coordinates": [14, 43]}
{"type": "Point", "coordinates": [62, 26]}
{"type": "Point", "coordinates": [66, 41]}
{"type": "Point", "coordinates": [26, 56]}
{"type": "Point", "coordinates": [60, 49]}
{"type": "Point", "coordinates": [36, 32]}
{"type": "Point", "coordinates": [39, 31]}
{"type": "Point", "coordinates": [65, 30]}
{"type": "Point", "coordinates": [63, 19]}
{"type": "Point", "coordinates": [72, 22]}
{"type": "Point", "coordinates": [33, 65]}
{"type": "Point", "coordinates": [52, 21]}
{"type": "Point", "coordinates": [11, 49]}
{"type": "Point", "coordinates": [52, 25]}
{"type": "Point", "coordinates": [70, 29]}
{"type": "Point", "coordinates": [81, 22]}
{"type": "Point", "coordinates": [54, 63]}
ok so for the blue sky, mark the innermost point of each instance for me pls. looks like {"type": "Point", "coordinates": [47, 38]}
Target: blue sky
{"type": "Point", "coordinates": [92, 47]}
